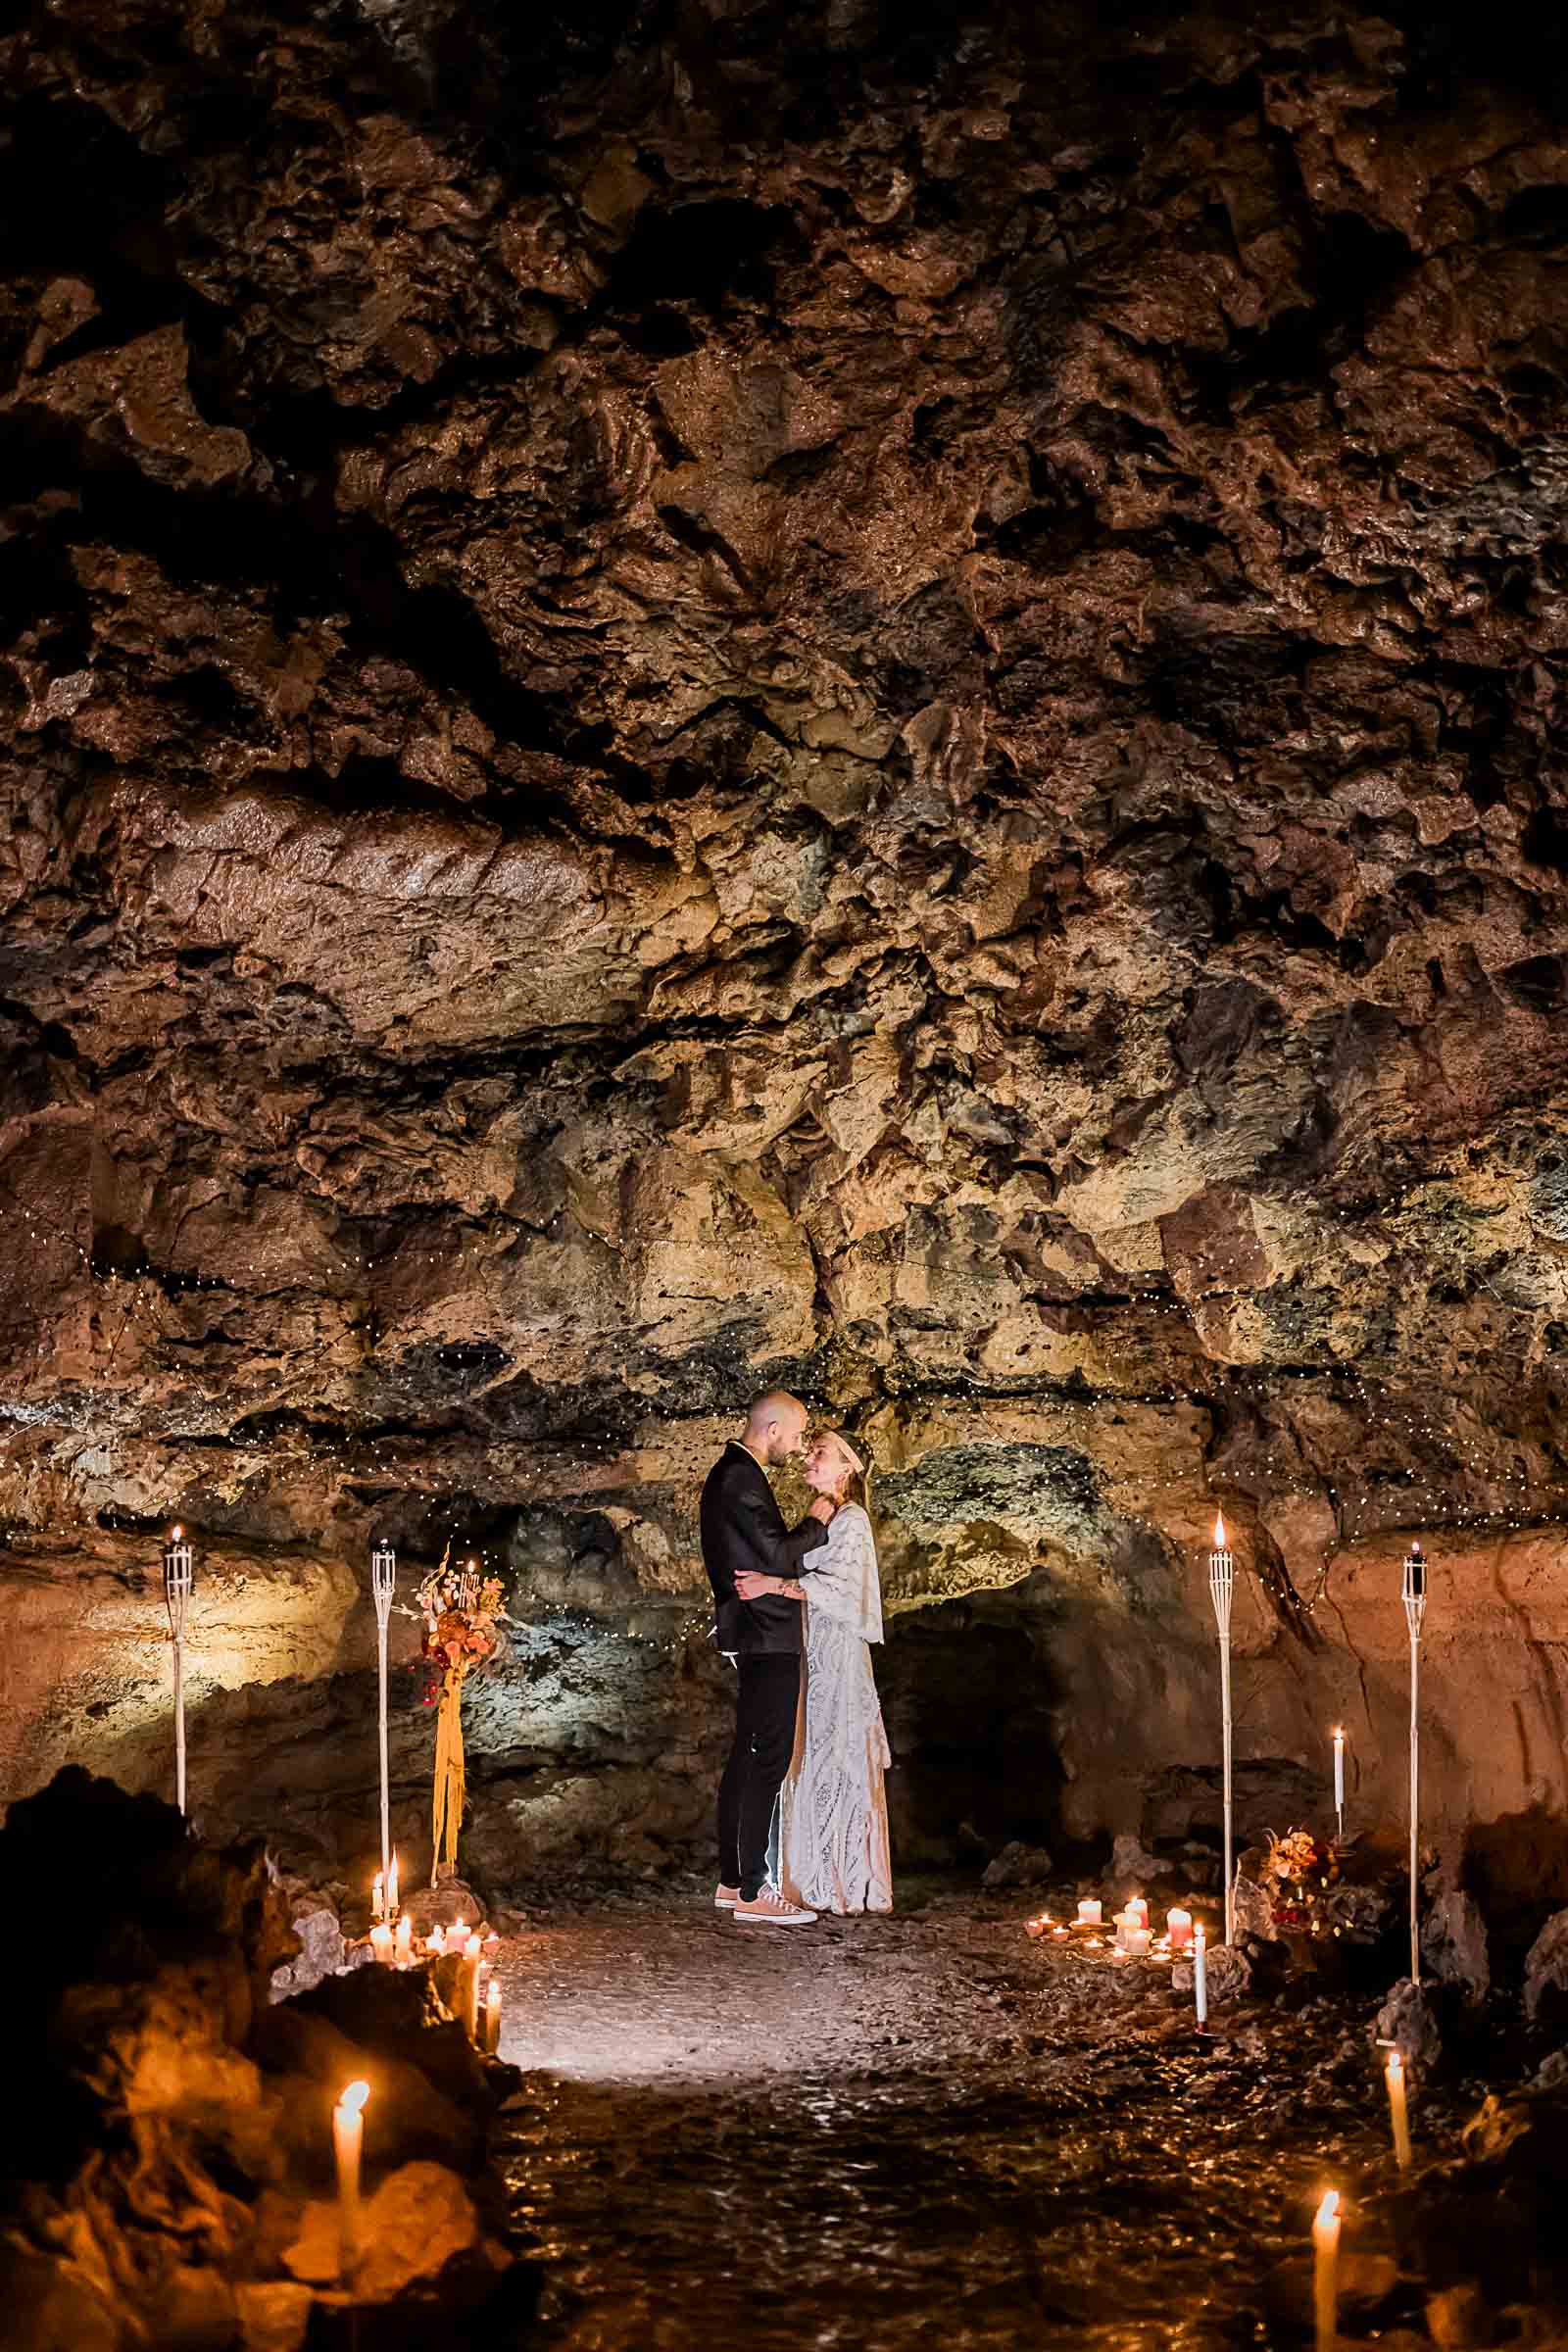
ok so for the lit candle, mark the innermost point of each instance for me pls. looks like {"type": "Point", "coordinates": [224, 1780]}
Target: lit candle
{"type": "Point", "coordinates": [1200, 1973]}
{"type": "Point", "coordinates": [458, 1934]}
{"type": "Point", "coordinates": [1090, 1912]}
{"type": "Point", "coordinates": [392, 1887]}
{"type": "Point", "coordinates": [1179, 1929]}
{"type": "Point", "coordinates": [492, 2014]}
{"type": "Point", "coordinates": [1339, 1777]}
{"type": "Point", "coordinates": [437, 1942]}
{"type": "Point", "coordinates": [1398, 2111]}
{"type": "Point", "coordinates": [468, 1988]}
{"type": "Point", "coordinates": [405, 1941]}
{"type": "Point", "coordinates": [381, 1943]}
{"type": "Point", "coordinates": [348, 2135]}
{"type": "Point", "coordinates": [1136, 1911]}
{"type": "Point", "coordinates": [1135, 1943]}
{"type": "Point", "coordinates": [377, 1900]}
{"type": "Point", "coordinates": [1326, 2270]}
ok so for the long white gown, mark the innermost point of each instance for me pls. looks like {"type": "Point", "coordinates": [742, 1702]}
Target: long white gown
{"type": "Point", "coordinates": [830, 1829]}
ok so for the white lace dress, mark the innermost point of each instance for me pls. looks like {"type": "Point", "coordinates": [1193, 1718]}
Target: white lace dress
{"type": "Point", "coordinates": [830, 1829]}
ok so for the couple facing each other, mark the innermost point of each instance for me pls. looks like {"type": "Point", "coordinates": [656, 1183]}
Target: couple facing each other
{"type": "Point", "coordinates": [803, 1823]}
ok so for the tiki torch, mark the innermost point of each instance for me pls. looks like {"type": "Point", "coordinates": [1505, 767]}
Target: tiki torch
{"type": "Point", "coordinates": [1221, 1586]}
{"type": "Point", "coordinates": [178, 1565]}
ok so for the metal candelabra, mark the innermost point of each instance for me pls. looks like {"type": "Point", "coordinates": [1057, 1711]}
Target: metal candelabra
{"type": "Point", "coordinates": [383, 1583]}
{"type": "Point", "coordinates": [1221, 1586]}
{"type": "Point", "coordinates": [1413, 1593]}
{"type": "Point", "coordinates": [178, 1576]}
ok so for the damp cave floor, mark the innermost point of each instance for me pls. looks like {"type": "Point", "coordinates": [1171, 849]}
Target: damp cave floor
{"type": "Point", "coordinates": [925, 2130]}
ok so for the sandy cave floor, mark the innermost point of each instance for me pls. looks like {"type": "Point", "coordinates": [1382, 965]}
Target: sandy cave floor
{"type": "Point", "coordinates": [922, 2130]}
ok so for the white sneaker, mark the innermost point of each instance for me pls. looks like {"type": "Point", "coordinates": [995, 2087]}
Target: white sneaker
{"type": "Point", "coordinates": [768, 1909]}
{"type": "Point", "coordinates": [725, 1897]}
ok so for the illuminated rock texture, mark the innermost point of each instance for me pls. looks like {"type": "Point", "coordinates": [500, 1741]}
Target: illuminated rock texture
{"type": "Point", "coordinates": [171, 2179]}
{"type": "Point", "coordinates": [842, 694]}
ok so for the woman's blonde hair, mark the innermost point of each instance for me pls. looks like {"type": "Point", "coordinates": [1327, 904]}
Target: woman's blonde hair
{"type": "Point", "coordinates": [858, 1484]}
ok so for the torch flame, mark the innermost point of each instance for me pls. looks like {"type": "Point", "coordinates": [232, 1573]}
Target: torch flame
{"type": "Point", "coordinates": [354, 2097]}
{"type": "Point", "coordinates": [178, 1536]}
{"type": "Point", "coordinates": [1329, 2210]}
{"type": "Point", "coordinates": [1219, 1530]}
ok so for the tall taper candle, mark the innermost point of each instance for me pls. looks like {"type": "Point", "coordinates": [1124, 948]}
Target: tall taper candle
{"type": "Point", "coordinates": [1326, 2272]}
{"type": "Point", "coordinates": [348, 2139]}
{"type": "Point", "coordinates": [1398, 2111]}
{"type": "Point", "coordinates": [1200, 1973]}
{"type": "Point", "coordinates": [492, 2014]}
{"type": "Point", "coordinates": [469, 1987]}
{"type": "Point", "coordinates": [1338, 1779]}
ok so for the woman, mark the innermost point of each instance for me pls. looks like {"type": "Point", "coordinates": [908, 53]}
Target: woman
{"type": "Point", "coordinates": [830, 1831]}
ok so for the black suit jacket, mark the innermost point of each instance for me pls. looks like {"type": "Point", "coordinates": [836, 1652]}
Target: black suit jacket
{"type": "Point", "coordinates": [743, 1527]}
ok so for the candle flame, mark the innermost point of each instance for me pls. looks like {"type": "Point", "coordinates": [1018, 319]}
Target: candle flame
{"type": "Point", "coordinates": [1329, 2210]}
{"type": "Point", "coordinates": [178, 1536]}
{"type": "Point", "coordinates": [1339, 1731]}
{"type": "Point", "coordinates": [1396, 2066]}
{"type": "Point", "coordinates": [405, 1924]}
{"type": "Point", "coordinates": [354, 2097]}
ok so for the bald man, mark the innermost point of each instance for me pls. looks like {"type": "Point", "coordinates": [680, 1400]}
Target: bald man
{"type": "Point", "coordinates": [742, 1528]}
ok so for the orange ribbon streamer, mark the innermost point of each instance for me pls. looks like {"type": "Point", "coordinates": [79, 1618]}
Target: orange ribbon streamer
{"type": "Point", "coordinates": [451, 1779]}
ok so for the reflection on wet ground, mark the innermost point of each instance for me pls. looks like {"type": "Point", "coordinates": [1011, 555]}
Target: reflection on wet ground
{"type": "Point", "coordinates": [922, 2130]}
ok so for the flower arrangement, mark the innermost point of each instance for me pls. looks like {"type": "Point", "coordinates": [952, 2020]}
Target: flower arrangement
{"type": "Point", "coordinates": [1301, 1869]}
{"type": "Point", "coordinates": [460, 1610]}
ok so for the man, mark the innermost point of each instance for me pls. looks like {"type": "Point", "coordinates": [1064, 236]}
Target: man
{"type": "Point", "coordinates": [743, 1527]}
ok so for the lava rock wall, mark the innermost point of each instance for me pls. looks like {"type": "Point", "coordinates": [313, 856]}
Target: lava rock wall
{"type": "Point", "coordinates": [844, 694]}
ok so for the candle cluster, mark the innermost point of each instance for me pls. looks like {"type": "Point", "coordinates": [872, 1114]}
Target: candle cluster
{"type": "Point", "coordinates": [395, 1947]}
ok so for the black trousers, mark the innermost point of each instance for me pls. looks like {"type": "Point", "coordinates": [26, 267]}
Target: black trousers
{"type": "Point", "coordinates": [764, 1738]}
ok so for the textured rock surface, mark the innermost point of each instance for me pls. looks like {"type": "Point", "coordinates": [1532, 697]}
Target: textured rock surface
{"type": "Point", "coordinates": [172, 2181]}
{"type": "Point", "coordinates": [802, 692]}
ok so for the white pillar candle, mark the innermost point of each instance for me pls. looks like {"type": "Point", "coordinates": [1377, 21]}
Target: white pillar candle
{"type": "Point", "coordinates": [405, 1941]}
{"type": "Point", "coordinates": [1135, 1943]}
{"type": "Point", "coordinates": [348, 2137]}
{"type": "Point", "coordinates": [1399, 2110]}
{"type": "Point", "coordinates": [1200, 1973]}
{"type": "Point", "coordinates": [468, 1988]}
{"type": "Point", "coordinates": [1179, 1928]}
{"type": "Point", "coordinates": [1090, 1912]}
{"type": "Point", "coordinates": [492, 2014]}
{"type": "Point", "coordinates": [1326, 2271]}
{"type": "Point", "coordinates": [1136, 1911]}
{"type": "Point", "coordinates": [381, 1943]}
{"type": "Point", "coordinates": [437, 1943]}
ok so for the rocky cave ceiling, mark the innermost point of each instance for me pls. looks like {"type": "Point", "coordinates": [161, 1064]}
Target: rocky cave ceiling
{"type": "Point", "coordinates": [857, 693]}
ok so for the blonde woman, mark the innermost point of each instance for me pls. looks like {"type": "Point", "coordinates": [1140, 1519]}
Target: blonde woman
{"type": "Point", "coordinates": [830, 1831]}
